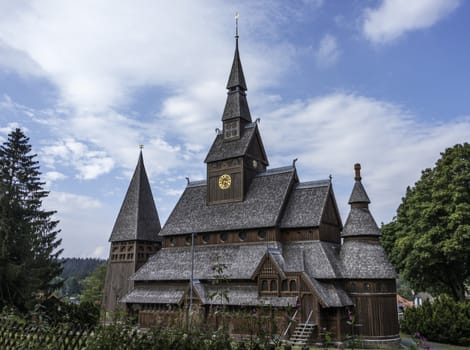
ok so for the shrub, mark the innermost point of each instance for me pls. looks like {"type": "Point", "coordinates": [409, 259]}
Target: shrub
{"type": "Point", "coordinates": [445, 321]}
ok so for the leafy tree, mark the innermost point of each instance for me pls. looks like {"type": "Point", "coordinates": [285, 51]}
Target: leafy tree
{"type": "Point", "coordinates": [93, 285]}
{"type": "Point", "coordinates": [29, 247]}
{"type": "Point", "coordinates": [429, 240]}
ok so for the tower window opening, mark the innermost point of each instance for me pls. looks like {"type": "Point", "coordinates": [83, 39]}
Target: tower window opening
{"type": "Point", "coordinates": [231, 130]}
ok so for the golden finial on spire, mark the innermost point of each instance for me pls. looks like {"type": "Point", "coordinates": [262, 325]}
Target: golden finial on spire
{"type": "Point", "coordinates": [237, 16]}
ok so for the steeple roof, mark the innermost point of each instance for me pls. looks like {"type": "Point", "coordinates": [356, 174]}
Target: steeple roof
{"type": "Point", "coordinates": [236, 105]}
{"type": "Point", "coordinates": [358, 194]}
{"type": "Point", "coordinates": [360, 221]}
{"type": "Point", "coordinates": [236, 78]}
{"type": "Point", "coordinates": [138, 217]}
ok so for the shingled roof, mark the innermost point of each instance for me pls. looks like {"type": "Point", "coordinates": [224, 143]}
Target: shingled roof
{"type": "Point", "coordinates": [360, 221]}
{"type": "Point", "coordinates": [156, 294]}
{"type": "Point", "coordinates": [138, 217]}
{"type": "Point", "coordinates": [236, 148]}
{"type": "Point", "coordinates": [240, 295]}
{"type": "Point", "coordinates": [365, 260]}
{"type": "Point", "coordinates": [305, 205]}
{"type": "Point", "coordinates": [237, 104]}
{"type": "Point", "coordinates": [318, 259]}
{"type": "Point", "coordinates": [174, 263]}
{"type": "Point", "coordinates": [362, 255]}
{"type": "Point", "coordinates": [261, 208]}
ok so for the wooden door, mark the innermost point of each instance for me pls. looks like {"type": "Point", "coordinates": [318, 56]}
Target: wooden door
{"type": "Point", "coordinates": [307, 306]}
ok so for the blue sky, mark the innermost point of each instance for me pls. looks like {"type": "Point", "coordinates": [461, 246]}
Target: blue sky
{"type": "Point", "coordinates": [383, 83]}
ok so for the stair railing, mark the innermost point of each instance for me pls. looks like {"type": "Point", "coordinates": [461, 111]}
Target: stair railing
{"type": "Point", "coordinates": [306, 323]}
{"type": "Point", "coordinates": [290, 324]}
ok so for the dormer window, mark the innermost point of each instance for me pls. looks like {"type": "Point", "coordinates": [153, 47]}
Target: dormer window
{"type": "Point", "coordinates": [231, 130]}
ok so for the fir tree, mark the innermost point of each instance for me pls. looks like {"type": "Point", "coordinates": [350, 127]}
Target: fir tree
{"type": "Point", "coordinates": [29, 247]}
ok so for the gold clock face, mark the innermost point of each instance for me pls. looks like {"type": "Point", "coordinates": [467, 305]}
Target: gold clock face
{"type": "Point", "coordinates": [225, 181]}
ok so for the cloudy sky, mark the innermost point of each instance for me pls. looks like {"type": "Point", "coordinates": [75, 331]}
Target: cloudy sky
{"type": "Point", "coordinates": [380, 82]}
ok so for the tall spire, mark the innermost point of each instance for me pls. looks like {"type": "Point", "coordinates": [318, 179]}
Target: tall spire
{"type": "Point", "coordinates": [236, 105]}
{"type": "Point", "coordinates": [138, 217]}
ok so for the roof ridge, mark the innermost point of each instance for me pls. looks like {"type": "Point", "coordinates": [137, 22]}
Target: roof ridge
{"type": "Point", "coordinates": [275, 171]}
{"type": "Point", "coordinates": [313, 184]}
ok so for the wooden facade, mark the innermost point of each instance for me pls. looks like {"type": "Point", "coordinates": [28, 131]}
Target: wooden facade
{"type": "Point", "coordinates": [265, 244]}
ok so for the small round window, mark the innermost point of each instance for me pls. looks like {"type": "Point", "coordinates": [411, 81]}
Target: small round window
{"type": "Point", "coordinates": [262, 234]}
{"type": "Point", "coordinates": [223, 236]}
{"type": "Point", "coordinates": [242, 235]}
{"type": "Point", "coordinates": [205, 238]}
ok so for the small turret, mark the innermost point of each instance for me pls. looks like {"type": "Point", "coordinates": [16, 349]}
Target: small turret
{"type": "Point", "coordinates": [360, 221]}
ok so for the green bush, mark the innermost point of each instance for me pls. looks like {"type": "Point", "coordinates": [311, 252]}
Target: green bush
{"type": "Point", "coordinates": [445, 320]}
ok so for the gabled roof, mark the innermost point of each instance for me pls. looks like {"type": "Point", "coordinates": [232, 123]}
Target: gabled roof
{"type": "Point", "coordinates": [173, 264]}
{"type": "Point", "coordinates": [305, 205]}
{"type": "Point", "coordinates": [138, 217]}
{"type": "Point", "coordinates": [261, 208]}
{"type": "Point", "coordinates": [318, 259]}
{"type": "Point", "coordinates": [221, 149]}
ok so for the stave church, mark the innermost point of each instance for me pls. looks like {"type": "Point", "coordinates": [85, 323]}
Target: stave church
{"type": "Point", "coordinates": [253, 240]}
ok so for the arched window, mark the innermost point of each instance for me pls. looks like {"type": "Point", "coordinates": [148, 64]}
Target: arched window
{"type": "Point", "coordinates": [293, 285]}
{"type": "Point", "coordinates": [264, 285]}
{"type": "Point", "coordinates": [273, 285]}
{"type": "Point", "coordinates": [284, 286]}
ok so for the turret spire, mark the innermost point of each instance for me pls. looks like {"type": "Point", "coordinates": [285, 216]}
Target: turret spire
{"type": "Point", "coordinates": [236, 105]}
{"type": "Point", "coordinates": [138, 217]}
{"type": "Point", "coordinates": [360, 221]}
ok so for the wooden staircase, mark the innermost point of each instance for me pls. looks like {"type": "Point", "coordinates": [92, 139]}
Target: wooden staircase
{"type": "Point", "coordinates": [302, 334]}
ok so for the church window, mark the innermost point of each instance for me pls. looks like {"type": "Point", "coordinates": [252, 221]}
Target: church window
{"type": "Point", "coordinates": [264, 285]}
{"type": "Point", "coordinates": [231, 130]}
{"type": "Point", "coordinates": [262, 234]}
{"type": "Point", "coordinates": [242, 235]}
{"type": "Point", "coordinates": [273, 286]}
{"type": "Point", "coordinates": [205, 238]}
{"type": "Point", "coordinates": [172, 241]}
{"type": "Point", "coordinates": [367, 286]}
{"type": "Point", "coordinates": [223, 236]}
{"type": "Point", "coordinates": [188, 240]}
{"type": "Point", "coordinates": [293, 285]}
{"type": "Point", "coordinates": [284, 286]}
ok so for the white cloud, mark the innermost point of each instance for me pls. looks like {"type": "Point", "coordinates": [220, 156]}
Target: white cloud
{"type": "Point", "coordinates": [331, 133]}
{"type": "Point", "coordinates": [328, 51]}
{"type": "Point", "coordinates": [393, 18]}
{"type": "Point", "coordinates": [52, 176]}
{"type": "Point", "coordinates": [88, 164]}
{"type": "Point", "coordinates": [71, 202]}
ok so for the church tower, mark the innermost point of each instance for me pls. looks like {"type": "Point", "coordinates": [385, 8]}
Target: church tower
{"type": "Point", "coordinates": [134, 238]}
{"type": "Point", "coordinates": [369, 275]}
{"type": "Point", "coordinates": [237, 154]}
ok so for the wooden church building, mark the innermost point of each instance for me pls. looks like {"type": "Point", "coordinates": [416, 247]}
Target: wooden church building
{"type": "Point", "coordinates": [250, 238]}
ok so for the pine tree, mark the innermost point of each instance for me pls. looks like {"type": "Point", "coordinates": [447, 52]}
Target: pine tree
{"type": "Point", "coordinates": [29, 247]}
